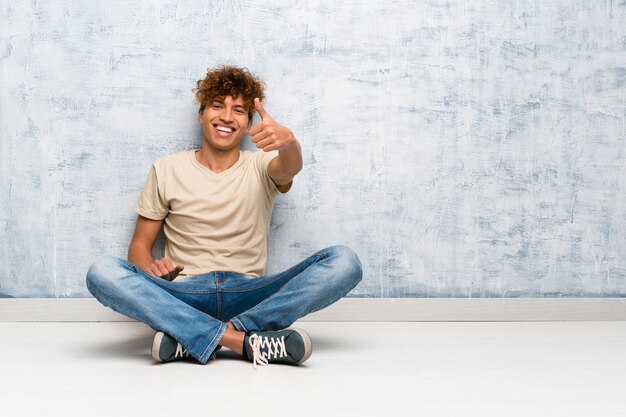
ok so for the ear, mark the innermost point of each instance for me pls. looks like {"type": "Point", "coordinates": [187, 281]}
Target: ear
{"type": "Point", "coordinates": [200, 112]}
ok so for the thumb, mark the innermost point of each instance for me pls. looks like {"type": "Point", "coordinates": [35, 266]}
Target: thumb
{"type": "Point", "coordinates": [179, 267]}
{"type": "Point", "coordinates": [259, 107]}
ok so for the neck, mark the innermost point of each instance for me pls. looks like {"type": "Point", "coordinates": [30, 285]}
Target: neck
{"type": "Point", "coordinates": [215, 159]}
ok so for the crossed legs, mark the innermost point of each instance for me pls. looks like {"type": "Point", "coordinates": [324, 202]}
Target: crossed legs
{"type": "Point", "coordinates": [201, 313]}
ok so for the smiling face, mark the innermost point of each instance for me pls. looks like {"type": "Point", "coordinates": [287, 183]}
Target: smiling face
{"type": "Point", "coordinates": [224, 123]}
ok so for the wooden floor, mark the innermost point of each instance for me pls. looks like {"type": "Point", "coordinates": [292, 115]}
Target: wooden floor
{"type": "Point", "coordinates": [357, 369]}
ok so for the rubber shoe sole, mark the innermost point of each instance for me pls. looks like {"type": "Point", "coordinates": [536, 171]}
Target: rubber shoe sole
{"type": "Point", "coordinates": [308, 344]}
{"type": "Point", "coordinates": [156, 346]}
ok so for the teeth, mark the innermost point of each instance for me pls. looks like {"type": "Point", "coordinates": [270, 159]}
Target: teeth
{"type": "Point", "coordinates": [225, 129]}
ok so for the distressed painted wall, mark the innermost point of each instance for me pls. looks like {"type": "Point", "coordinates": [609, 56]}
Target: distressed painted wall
{"type": "Point", "coordinates": [465, 149]}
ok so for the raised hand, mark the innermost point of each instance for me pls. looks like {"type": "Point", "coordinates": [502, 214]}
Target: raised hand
{"type": "Point", "coordinates": [269, 135]}
{"type": "Point", "coordinates": [163, 268]}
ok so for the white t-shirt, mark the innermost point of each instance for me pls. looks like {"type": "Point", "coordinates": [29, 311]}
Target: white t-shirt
{"type": "Point", "coordinates": [213, 221]}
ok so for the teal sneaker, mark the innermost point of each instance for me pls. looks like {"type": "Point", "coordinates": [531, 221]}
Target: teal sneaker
{"type": "Point", "coordinates": [166, 349]}
{"type": "Point", "coordinates": [291, 346]}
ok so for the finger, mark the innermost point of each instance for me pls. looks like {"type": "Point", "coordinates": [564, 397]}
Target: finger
{"type": "Point", "coordinates": [171, 272]}
{"type": "Point", "coordinates": [154, 271]}
{"type": "Point", "coordinates": [168, 264]}
{"type": "Point", "coordinates": [259, 107]}
{"type": "Point", "coordinates": [265, 142]}
{"type": "Point", "coordinates": [257, 129]}
{"type": "Point", "coordinates": [162, 269]}
{"type": "Point", "coordinates": [176, 271]}
{"type": "Point", "coordinates": [259, 136]}
{"type": "Point", "coordinates": [270, 148]}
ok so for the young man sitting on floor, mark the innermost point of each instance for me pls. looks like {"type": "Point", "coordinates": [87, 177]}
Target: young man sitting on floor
{"type": "Point", "coordinates": [215, 204]}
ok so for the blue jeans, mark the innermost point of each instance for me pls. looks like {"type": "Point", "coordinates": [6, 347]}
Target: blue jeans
{"type": "Point", "coordinates": [194, 310]}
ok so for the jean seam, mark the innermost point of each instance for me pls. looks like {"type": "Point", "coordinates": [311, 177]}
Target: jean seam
{"type": "Point", "coordinates": [157, 280]}
{"type": "Point", "coordinates": [321, 258]}
{"type": "Point", "coordinates": [220, 332]}
{"type": "Point", "coordinates": [262, 303]}
{"type": "Point", "coordinates": [218, 298]}
{"type": "Point", "coordinates": [237, 323]}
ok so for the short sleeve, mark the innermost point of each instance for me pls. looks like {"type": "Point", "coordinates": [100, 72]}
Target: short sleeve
{"type": "Point", "coordinates": [263, 160]}
{"type": "Point", "coordinates": [150, 203]}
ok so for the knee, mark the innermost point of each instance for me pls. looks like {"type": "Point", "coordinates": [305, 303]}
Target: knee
{"type": "Point", "coordinates": [102, 273]}
{"type": "Point", "coordinates": [347, 263]}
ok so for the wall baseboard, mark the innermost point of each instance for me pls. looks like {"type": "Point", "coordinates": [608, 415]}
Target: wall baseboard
{"type": "Point", "coordinates": [359, 309]}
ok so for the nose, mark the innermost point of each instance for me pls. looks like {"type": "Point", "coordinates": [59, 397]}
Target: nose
{"type": "Point", "coordinates": [226, 115]}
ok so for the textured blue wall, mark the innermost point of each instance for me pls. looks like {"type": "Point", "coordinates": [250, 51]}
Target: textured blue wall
{"type": "Point", "coordinates": [465, 149]}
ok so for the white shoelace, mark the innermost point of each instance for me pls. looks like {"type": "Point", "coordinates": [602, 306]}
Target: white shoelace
{"type": "Point", "coordinates": [273, 348]}
{"type": "Point", "coordinates": [180, 352]}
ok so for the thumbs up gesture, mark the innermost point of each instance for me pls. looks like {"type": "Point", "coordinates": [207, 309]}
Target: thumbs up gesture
{"type": "Point", "coordinates": [269, 135]}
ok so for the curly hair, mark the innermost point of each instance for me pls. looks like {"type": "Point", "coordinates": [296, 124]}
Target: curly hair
{"type": "Point", "coordinates": [232, 81]}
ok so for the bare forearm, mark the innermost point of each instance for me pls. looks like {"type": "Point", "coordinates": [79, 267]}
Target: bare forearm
{"type": "Point", "coordinates": [139, 255]}
{"type": "Point", "coordinates": [291, 159]}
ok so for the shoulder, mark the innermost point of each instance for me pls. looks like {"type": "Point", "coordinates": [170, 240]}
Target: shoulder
{"type": "Point", "coordinates": [260, 161]}
{"type": "Point", "coordinates": [249, 156]}
{"type": "Point", "coordinates": [178, 159]}
{"type": "Point", "coordinates": [259, 158]}
{"type": "Point", "coordinates": [174, 158]}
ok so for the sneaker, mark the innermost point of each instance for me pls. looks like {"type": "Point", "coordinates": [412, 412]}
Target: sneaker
{"type": "Point", "coordinates": [292, 346]}
{"type": "Point", "coordinates": [166, 349]}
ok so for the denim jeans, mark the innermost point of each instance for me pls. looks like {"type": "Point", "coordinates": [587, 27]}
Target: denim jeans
{"type": "Point", "coordinates": [194, 310]}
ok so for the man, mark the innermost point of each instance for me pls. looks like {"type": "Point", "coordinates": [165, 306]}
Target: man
{"type": "Point", "coordinates": [210, 289]}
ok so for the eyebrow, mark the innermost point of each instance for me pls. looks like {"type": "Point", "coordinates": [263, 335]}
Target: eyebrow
{"type": "Point", "coordinates": [237, 106]}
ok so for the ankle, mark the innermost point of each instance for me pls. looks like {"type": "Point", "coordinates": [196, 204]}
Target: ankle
{"type": "Point", "coordinates": [233, 339]}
